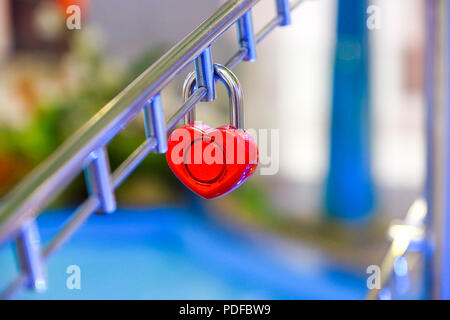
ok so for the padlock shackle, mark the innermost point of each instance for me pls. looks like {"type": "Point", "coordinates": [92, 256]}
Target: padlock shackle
{"type": "Point", "coordinates": [231, 82]}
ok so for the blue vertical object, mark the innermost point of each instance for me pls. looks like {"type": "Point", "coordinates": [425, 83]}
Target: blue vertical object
{"type": "Point", "coordinates": [349, 190]}
{"type": "Point", "coordinates": [445, 245]}
{"type": "Point", "coordinates": [430, 278]}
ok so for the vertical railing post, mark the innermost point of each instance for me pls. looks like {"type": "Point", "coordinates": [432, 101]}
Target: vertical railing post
{"type": "Point", "coordinates": [29, 256]}
{"type": "Point", "coordinates": [284, 11]}
{"type": "Point", "coordinates": [247, 36]}
{"type": "Point", "coordinates": [155, 124]}
{"type": "Point", "coordinates": [445, 236]}
{"type": "Point", "coordinates": [433, 160]}
{"type": "Point", "coordinates": [204, 72]}
{"type": "Point", "coordinates": [438, 138]}
{"type": "Point", "coordinates": [98, 180]}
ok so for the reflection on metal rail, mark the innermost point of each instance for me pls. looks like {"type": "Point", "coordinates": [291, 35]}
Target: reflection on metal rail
{"type": "Point", "coordinates": [406, 235]}
{"type": "Point", "coordinates": [85, 150]}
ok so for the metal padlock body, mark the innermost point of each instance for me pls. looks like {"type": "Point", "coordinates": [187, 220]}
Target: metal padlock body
{"type": "Point", "coordinates": [213, 161]}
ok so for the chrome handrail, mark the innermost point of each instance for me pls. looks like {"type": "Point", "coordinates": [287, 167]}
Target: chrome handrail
{"type": "Point", "coordinates": [404, 235]}
{"type": "Point", "coordinates": [85, 149]}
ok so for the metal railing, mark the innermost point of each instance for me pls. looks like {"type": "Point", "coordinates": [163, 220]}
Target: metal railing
{"type": "Point", "coordinates": [85, 150]}
{"type": "Point", "coordinates": [425, 229]}
{"type": "Point", "coordinates": [406, 235]}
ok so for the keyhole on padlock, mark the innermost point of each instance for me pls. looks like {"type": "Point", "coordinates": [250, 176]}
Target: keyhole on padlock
{"type": "Point", "coordinates": [201, 168]}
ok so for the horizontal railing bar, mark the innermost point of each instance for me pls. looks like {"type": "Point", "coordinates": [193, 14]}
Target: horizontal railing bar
{"type": "Point", "coordinates": [14, 287]}
{"type": "Point", "coordinates": [133, 160]}
{"type": "Point", "coordinates": [81, 214]}
{"type": "Point", "coordinates": [296, 3]}
{"type": "Point", "coordinates": [196, 96]}
{"type": "Point", "coordinates": [237, 58]}
{"type": "Point", "coordinates": [269, 27]}
{"type": "Point", "coordinates": [275, 22]}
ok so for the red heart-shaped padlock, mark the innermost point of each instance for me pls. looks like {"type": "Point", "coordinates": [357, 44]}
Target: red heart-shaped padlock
{"type": "Point", "coordinates": [211, 162]}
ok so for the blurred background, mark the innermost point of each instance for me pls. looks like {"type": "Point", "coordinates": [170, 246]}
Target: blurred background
{"type": "Point", "coordinates": [343, 85]}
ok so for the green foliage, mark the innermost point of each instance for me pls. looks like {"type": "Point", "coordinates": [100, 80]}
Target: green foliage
{"type": "Point", "coordinates": [57, 119]}
{"type": "Point", "coordinates": [253, 199]}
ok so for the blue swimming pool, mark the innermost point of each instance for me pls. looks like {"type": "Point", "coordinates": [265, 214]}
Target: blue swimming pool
{"type": "Point", "coordinates": [181, 253]}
